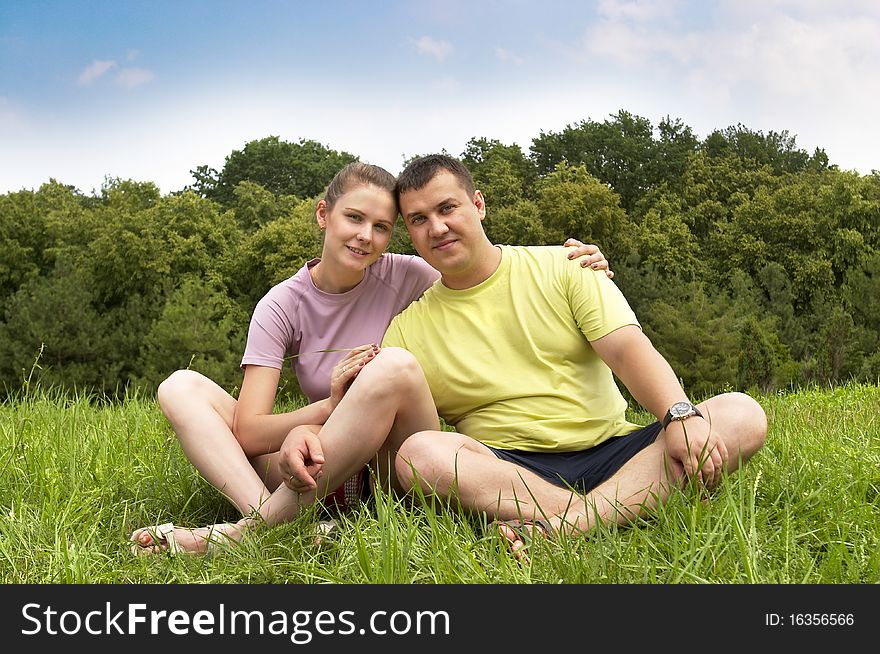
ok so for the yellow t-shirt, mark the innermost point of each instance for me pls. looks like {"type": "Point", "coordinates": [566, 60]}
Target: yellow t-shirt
{"type": "Point", "coordinates": [509, 361]}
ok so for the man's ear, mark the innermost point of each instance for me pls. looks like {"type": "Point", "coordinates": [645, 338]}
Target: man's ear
{"type": "Point", "coordinates": [480, 203]}
{"type": "Point", "coordinates": [321, 214]}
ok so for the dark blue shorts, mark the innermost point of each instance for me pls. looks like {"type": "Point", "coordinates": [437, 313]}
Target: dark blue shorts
{"type": "Point", "coordinates": [585, 469]}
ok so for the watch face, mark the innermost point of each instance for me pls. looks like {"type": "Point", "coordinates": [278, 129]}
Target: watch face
{"type": "Point", "coordinates": [680, 409]}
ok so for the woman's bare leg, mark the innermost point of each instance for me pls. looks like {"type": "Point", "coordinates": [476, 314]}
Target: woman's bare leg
{"type": "Point", "coordinates": [201, 413]}
{"type": "Point", "coordinates": [387, 402]}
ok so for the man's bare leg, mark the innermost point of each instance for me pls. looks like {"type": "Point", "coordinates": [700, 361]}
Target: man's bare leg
{"type": "Point", "coordinates": [456, 466]}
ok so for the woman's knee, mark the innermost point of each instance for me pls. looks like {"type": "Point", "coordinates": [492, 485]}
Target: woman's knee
{"type": "Point", "coordinates": [393, 369]}
{"type": "Point", "coordinates": [182, 386]}
{"type": "Point", "coordinates": [172, 386]}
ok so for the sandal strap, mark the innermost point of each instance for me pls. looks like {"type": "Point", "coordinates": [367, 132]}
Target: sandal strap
{"type": "Point", "coordinates": [165, 532]}
{"type": "Point", "coordinates": [524, 528]}
{"type": "Point", "coordinates": [217, 537]}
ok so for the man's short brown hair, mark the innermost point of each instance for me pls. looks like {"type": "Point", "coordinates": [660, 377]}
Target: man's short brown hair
{"type": "Point", "coordinates": [420, 171]}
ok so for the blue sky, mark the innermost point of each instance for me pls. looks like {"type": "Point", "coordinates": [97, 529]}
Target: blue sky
{"type": "Point", "coordinates": [150, 90]}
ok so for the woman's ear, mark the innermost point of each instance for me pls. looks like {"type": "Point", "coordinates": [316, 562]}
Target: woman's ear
{"type": "Point", "coordinates": [321, 214]}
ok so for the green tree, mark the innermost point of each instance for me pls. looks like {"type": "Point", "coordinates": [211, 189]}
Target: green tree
{"type": "Point", "coordinates": [671, 153]}
{"type": "Point", "coordinates": [836, 341]}
{"type": "Point", "coordinates": [778, 150]}
{"type": "Point", "coordinates": [145, 249]}
{"type": "Point", "coordinates": [573, 203]}
{"type": "Point", "coordinates": [56, 314]}
{"type": "Point", "coordinates": [862, 292]}
{"type": "Point", "coordinates": [303, 169]}
{"type": "Point", "coordinates": [756, 363]}
{"type": "Point", "coordinates": [778, 301]}
{"type": "Point", "coordinates": [711, 189]}
{"type": "Point", "coordinates": [275, 252]}
{"type": "Point", "coordinates": [502, 172]}
{"type": "Point", "coordinates": [517, 224]}
{"type": "Point", "coordinates": [32, 225]}
{"type": "Point", "coordinates": [254, 206]}
{"type": "Point", "coordinates": [199, 328]}
{"type": "Point", "coordinates": [618, 152]}
{"type": "Point", "coordinates": [695, 333]}
{"type": "Point", "coordinates": [664, 240]}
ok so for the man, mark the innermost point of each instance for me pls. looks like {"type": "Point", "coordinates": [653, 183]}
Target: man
{"type": "Point", "coordinates": [518, 352]}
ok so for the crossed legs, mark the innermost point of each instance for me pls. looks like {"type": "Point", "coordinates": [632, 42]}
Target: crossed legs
{"type": "Point", "coordinates": [455, 466]}
{"type": "Point", "coordinates": [388, 401]}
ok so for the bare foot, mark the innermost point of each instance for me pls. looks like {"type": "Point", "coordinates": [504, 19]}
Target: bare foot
{"type": "Point", "coordinates": [514, 541]}
{"type": "Point", "coordinates": [520, 533]}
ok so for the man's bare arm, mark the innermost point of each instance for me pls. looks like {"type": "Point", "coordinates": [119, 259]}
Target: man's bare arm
{"type": "Point", "coordinates": [654, 385]}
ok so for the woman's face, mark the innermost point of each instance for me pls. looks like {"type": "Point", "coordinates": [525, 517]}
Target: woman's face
{"type": "Point", "coordinates": [358, 227]}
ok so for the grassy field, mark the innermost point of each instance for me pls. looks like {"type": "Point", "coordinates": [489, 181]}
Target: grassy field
{"type": "Point", "coordinates": [76, 477]}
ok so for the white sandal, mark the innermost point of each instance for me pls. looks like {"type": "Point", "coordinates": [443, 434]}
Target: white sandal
{"type": "Point", "coordinates": [163, 538]}
{"type": "Point", "coordinates": [325, 530]}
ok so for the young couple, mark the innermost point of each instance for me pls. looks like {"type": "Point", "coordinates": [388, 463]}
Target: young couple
{"type": "Point", "coordinates": [515, 346]}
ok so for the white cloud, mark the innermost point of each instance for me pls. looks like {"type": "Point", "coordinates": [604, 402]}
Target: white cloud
{"type": "Point", "coordinates": [95, 71]}
{"type": "Point", "coordinates": [131, 55]}
{"type": "Point", "coordinates": [638, 10]}
{"type": "Point", "coordinates": [816, 57]}
{"type": "Point", "coordinates": [807, 67]}
{"type": "Point", "coordinates": [638, 45]}
{"type": "Point", "coordinates": [132, 77]}
{"type": "Point", "coordinates": [505, 55]}
{"type": "Point", "coordinates": [440, 50]}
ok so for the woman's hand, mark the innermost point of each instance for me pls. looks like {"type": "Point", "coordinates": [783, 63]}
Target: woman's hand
{"type": "Point", "coordinates": [347, 369]}
{"type": "Point", "coordinates": [301, 458]}
{"type": "Point", "coordinates": [590, 254]}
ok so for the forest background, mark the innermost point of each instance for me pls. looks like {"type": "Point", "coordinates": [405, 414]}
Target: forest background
{"type": "Point", "coordinates": [751, 263]}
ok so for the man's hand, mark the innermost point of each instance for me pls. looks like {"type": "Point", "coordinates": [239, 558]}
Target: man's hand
{"type": "Point", "coordinates": [347, 369]}
{"type": "Point", "coordinates": [590, 255]}
{"type": "Point", "coordinates": [302, 459]}
{"type": "Point", "coordinates": [701, 453]}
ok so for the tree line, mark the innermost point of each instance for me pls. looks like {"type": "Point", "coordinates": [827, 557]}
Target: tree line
{"type": "Point", "coordinates": [751, 263]}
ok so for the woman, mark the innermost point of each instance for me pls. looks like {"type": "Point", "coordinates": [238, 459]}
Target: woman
{"type": "Point", "coordinates": [338, 302]}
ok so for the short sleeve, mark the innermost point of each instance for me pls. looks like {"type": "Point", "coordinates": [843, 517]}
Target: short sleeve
{"type": "Point", "coordinates": [598, 305]}
{"type": "Point", "coordinates": [419, 277]}
{"type": "Point", "coordinates": [269, 335]}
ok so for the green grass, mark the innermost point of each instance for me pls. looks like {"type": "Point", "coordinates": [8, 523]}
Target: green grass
{"type": "Point", "coordinates": [76, 477]}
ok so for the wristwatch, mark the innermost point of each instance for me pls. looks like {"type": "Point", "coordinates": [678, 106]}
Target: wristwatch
{"type": "Point", "coordinates": [680, 411]}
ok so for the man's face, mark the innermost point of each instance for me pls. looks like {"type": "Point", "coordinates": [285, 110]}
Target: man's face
{"type": "Point", "coordinates": [444, 223]}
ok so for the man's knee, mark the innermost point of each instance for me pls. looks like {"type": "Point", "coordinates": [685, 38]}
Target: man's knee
{"type": "Point", "coordinates": [417, 459]}
{"type": "Point", "coordinates": [744, 416]}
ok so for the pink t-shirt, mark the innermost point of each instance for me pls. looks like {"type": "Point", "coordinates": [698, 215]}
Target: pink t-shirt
{"type": "Point", "coordinates": [295, 318]}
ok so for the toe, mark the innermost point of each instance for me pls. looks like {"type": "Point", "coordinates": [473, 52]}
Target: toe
{"type": "Point", "coordinates": [509, 534]}
{"type": "Point", "coordinates": [514, 540]}
{"type": "Point", "coordinates": [519, 550]}
{"type": "Point", "coordinates": [141, 537]}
